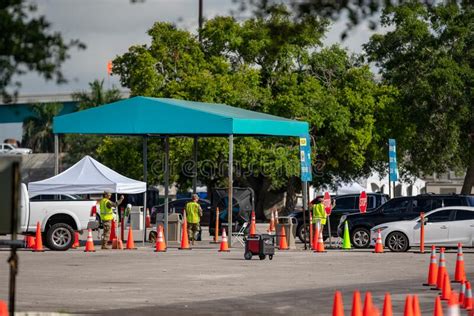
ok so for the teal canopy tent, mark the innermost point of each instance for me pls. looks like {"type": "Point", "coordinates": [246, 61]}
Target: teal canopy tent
{"type": "Point", "coordinates": [148, 117]}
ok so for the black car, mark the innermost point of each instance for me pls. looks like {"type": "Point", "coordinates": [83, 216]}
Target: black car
{"type": "Point", "coordinates": [177, 206]}
{"type": "Point", "coordinates": [345, 204]}
{"type": "Point", "coordinates": [397, 209]}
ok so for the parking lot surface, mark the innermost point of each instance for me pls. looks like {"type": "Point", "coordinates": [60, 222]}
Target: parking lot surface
{"type": "Point", "coordinates": [202, 281]}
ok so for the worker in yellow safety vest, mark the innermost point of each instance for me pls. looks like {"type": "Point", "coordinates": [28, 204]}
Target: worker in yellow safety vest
{"type": "Point", "coordinates": [319, 214]}
{"type": "Point", "coordinates": [107, 216]}
{"type": "Point", "coordinates": [193, 217]}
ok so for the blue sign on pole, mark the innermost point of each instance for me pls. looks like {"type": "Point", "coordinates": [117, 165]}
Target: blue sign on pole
{"type": "Point", "coordinates": [392, 156]}
{"type": "Point", "coordinates": [305, 158]}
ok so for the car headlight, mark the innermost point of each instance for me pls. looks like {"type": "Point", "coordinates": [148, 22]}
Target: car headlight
{"type": "Point", "coordinates": [381, 228]}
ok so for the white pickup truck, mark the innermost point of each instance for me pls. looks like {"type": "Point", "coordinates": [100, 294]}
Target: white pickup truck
{"type": "Point", "coordinates": [58, 215]}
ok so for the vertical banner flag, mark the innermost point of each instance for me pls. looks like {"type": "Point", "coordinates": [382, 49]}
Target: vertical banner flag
{"type": "Point", "coordinates": [392, 155]}
{"type": "Point", "coordinates": [305, 158]}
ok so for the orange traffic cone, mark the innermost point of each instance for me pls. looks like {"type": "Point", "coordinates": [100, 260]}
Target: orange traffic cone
{"type": "Point", "coordinates": [441, 269]}
{"type": "Point", "coordinates": [39, 240]}
{"type": "Point", "coordinates": [387, 305]}
{"type": "Point", "coordinates": [337, 308]}
{"type": "Point", "coordinates": [224, 243]}
{"type": "Point", "coordinates": [3, 308]}
{"type": "Point", "coordinates": [368, 305]}
{"type": "Point", "coordinates": [453, 305]}
{"type": "Point", "coordinates": [416, 306]}
{"type": "Point", "coordinates": [433, 268]}
{"type": "Point", "coordinates": [30, 242]}
{"type": "Point", "coordinates": [130, 241]}
{"type": "Point", "coordinates": [320, 245]}
{"type": "Point", "coordinates": [446, 290]}
{"type": "Point", "coordinates": [283, 243]}
{"type": "Point", "coordinates": [468, 300]}
{"type": "Point", "coordinates": [438, 308]}
{"type": "Point", "coordinates": [311, 232]}
{"type": "Point", "coordinates": [408, 306]}
{"type": "Point", "coordinates": [160, 242]}
{"type": "Point", "coordinates": [378, 243]}
{"type": "Point", "coordinates": [253, 225]}
{"type": "Point", "coordinates": [316, 230]}
{"type": "Point", "coordinates": [462, 293]}
{"type": "Point", "coordinates": [117, 244]}
{"type": "Point", "coordinates": [89, 242]}
{"type": "Point", "coordinates": [76, 240]}
{"type": "Point", "coordinates": [460, 274]}
{"type": "Point", "coordinates": [113, 234]}
{"type": "Point", "coordinates": [356, 305]}
{"type": "Point", "coordinates": [148, 218]}
{"type": "Point", "coordinates": [184, 236]}
{"type": "Point", "coordinates": [271, 227]}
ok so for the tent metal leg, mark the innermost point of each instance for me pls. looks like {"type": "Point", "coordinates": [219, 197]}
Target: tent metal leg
{"type": "Point", "coordinates": [305, 208]}
{"type": "Point", "coordinates": [231, 189]}
{"type": "Point", "coordinates": [56, 154]}
{"type": "Point", "coordinates": [167, 180]}
{"type": "Point", "coordinates": [195, 158]}
{"type": "Point", "coordinates": [145, 178]}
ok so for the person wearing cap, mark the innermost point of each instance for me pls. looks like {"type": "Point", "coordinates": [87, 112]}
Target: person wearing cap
{"type": "Point", "coordinates": [107, 216]}
{"type": "Point", "coordinates": [319, 214]}
{"type": "Point", "coordinates": [193, 217]}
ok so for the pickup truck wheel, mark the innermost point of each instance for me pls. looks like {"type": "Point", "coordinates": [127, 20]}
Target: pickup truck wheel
{"type": "Point", "coordinates": [60, 237]}
{"type": "Point", "coordinates": [360, 237]}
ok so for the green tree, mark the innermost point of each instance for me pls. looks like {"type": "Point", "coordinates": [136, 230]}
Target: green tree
{"type": "Point", "coordinates": [77, 146]}
{"type": "Point", "coordinates": [27, 44]}
{"type": "Point", "coordinates": [38, 129]}
{"type": "Point", "coordinates": [274, 64]}
{"type": "Point", "coordinates": [429, 57]}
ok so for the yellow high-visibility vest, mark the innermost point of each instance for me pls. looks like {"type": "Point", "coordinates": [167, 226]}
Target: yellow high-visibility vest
{"type": "Point", "coordinates": [106, 213]}
{"type": "Point", "coordinates": [319, 214]}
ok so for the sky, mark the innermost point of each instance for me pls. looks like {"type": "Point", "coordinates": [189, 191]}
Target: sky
{"type": "Point", "coordinates": [110, 27]}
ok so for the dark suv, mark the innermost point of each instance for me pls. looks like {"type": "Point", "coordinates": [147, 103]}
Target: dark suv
{"type": "Point", "coordinates": [345, 204]}
{"type": "Point", "coordinates": [397, 209]}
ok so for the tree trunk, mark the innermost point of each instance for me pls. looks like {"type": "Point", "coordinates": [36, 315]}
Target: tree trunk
{"type": "Point", "coordinates": [469, 178]}
{"type": "Point", "coordinates": [291, 190]}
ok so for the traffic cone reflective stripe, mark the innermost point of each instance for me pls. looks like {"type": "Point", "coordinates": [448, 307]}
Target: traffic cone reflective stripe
{"type": "Point", "coordinates": [441, 269]}
{"type": "Point", "coordinates": [76, 240]}
{"type": "Point", "coordinates": [224, 243]}
{"type": "Point", "coordinates": [438, 308]}
{"type": "Point", "coordinates": [368, 305]}
{"type": "Point", "coordinates": [283, 243]}
{"type": "Point", "coordinates": [460, 273]}
{"type": "Point", "coordinates": [462, 293]}
{"type": "Point", "coordinates": [130, 241]}
{"type": "Point", "coordinates": [356, 304]}
{"type": "Point", "coordinates": [253, 225]}
{"type": "Point", "coordinates": [408, 306]}
{"type": "Point", "coordinates": [184, 236]}
{"type": "Point", "coordinates": [39, 240]}
{"type": "Point", "coordinates": [416, 306]}
{"type": "Point", "coordinates": [338, 308]}
{"type": "Point", "coordinates": [346, 242]}
{"type": "Point", "coordinates": [453, 306]}
{"type": "Point", "coordinates": [378, 243]}
{"type": "Point", "coordinates": [433, 268]}
{"type": "Point", "coordinates": [468, 300]}
{"type": "Point", "coordinates": [387, 305]}
{"type": "Point", "coordinates": [89, 242]}
{"type": "Point", "coordinates": [148, 218]}
{"type": "Point", "coordinates": [160, 242]}
{"type": "Point", "coordinates": [446, 290]}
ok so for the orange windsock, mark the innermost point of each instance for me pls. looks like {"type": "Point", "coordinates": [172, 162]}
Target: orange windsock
{"type": "Point", "coordinates": [356, 304]}
{"type": "Point", "coordinates": [253, 225]}
{"type": "Point", "coordinates": [438, 308]}
{"type": "Point", "coordinates": [387, 305]}
{"type": "Point", "coordinates": [76, 240]}
{"type": "Point", "coordinates": [39, 240]}
{"type": "Point", "coordinates": [446, 290]}
{"type": "Point", "coordinates": [416, 306]}
{"type": "Point", "coordinates": [433, 268]}
{"type": "Point", "coordinates": [368, 305]}
{"type": "Point", "coordinates": [378, 243]}
{"type": "Point", "coordinates": [460, 273]}
{"type": "Point", "coordinates": [184, 236]}
{"type": "Point", "coordinates": [441, 269]}
{"type": "Point", "coordinates": [130, 241]}
{"type": "Point", "coordinates": [160, 245]}
{"type": "Point", "coordinates": [224, 243]}
{"type": "Point", "coordinates": [89, 242]}
{"type": "Point", "coordinates": [338, 307]}
{"type": "Point", "coordinates": [283, 243]}
{"type": "Point", "coordinates": [408, 306]}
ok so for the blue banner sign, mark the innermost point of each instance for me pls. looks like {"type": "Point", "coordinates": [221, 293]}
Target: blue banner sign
{"type": "Point", "coordinates": [305, 158]}
{"type": "Point", "coordinates": [392, 156]}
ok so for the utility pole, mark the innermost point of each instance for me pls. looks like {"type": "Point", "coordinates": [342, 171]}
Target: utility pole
{"type": "Point", "coordinates": [200, 20]}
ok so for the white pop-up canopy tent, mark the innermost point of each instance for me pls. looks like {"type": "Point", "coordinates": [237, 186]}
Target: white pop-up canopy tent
{"type": "Point", "coordinates": [86, 176]}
